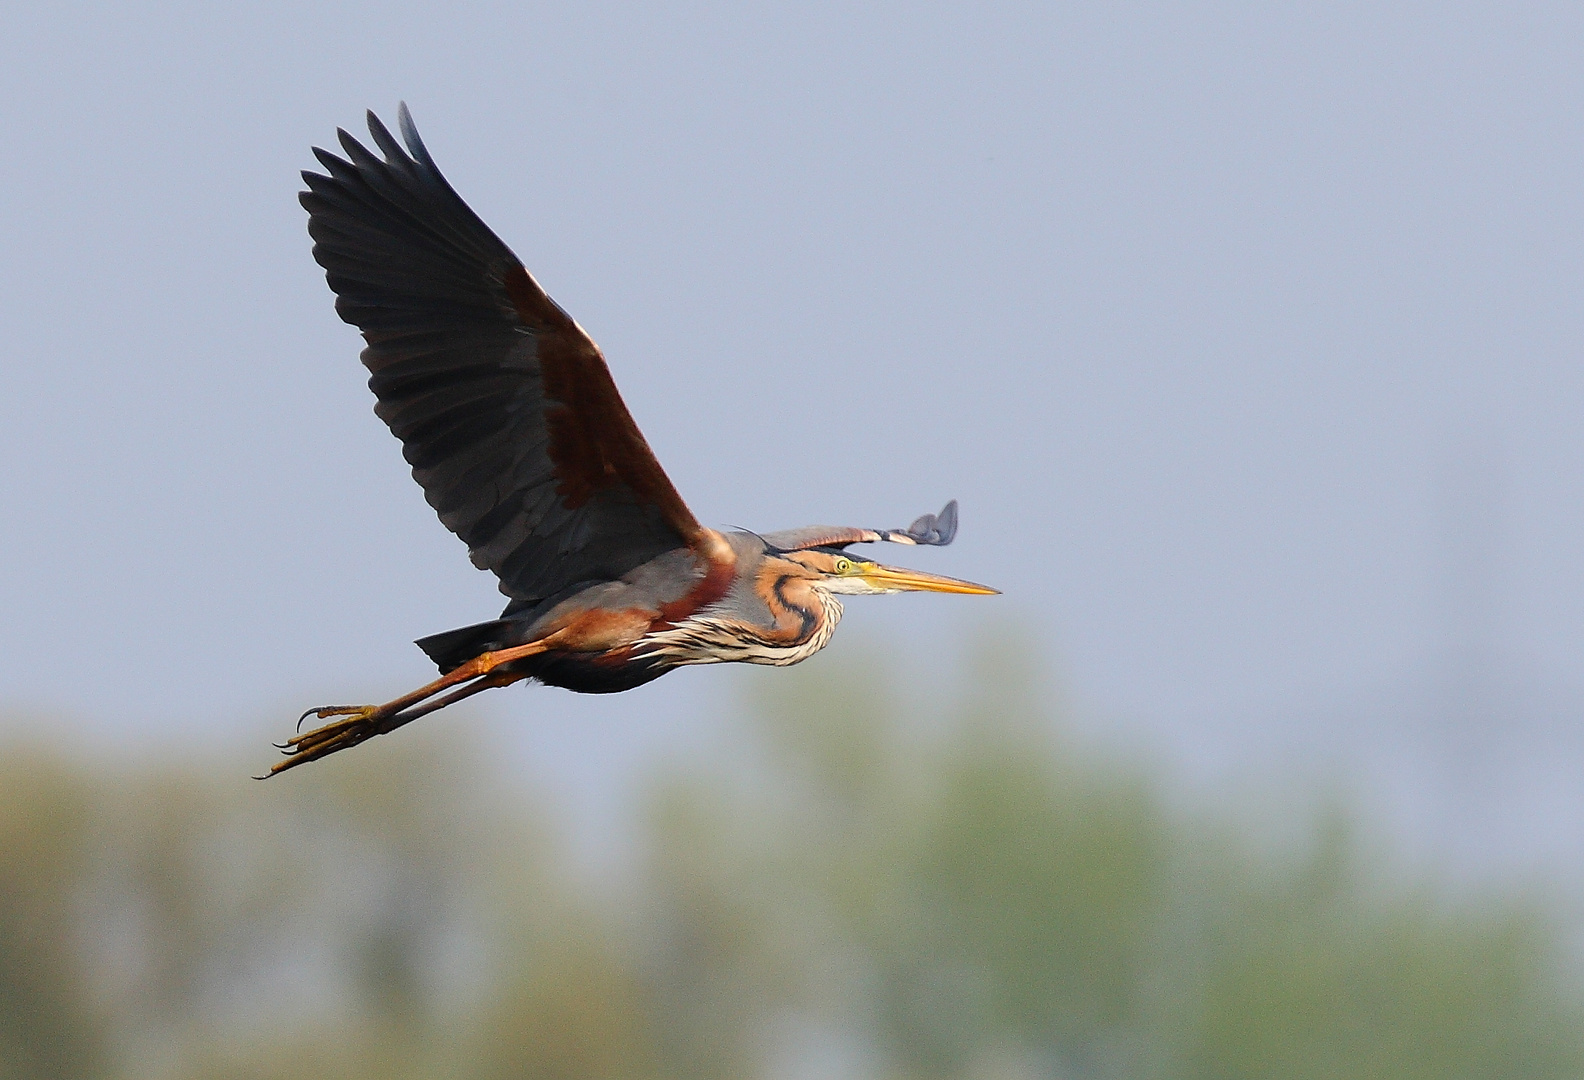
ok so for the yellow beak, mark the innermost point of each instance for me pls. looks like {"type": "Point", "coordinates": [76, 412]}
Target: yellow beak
{"type": "Point", "coordinates": [896, 579]}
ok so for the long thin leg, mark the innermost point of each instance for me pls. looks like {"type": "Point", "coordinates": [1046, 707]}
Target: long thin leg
{"type": "Point", "coordinates": [481, 664]}
{"type": "Point", "coordinates": [324, 741]}
{"type": "Point", "coordinates": [359, 723]}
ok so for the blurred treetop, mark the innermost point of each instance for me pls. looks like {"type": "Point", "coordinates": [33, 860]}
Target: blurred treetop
{"type": "Point", "coordinates": [869, 889]}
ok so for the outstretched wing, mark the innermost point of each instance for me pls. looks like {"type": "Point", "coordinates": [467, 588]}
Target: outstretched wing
{"type": "Point", "coordinates": [504, 406]}
{"type": "Point", "coordinates": [933, 529]}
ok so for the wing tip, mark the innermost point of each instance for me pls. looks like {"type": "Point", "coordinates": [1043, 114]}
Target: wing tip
{"type": "Point", "coordinates": [410, 136]}
{"type": "Point", "coordinates": [934, 530]}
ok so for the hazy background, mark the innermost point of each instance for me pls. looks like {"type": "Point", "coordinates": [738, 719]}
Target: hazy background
{"type": "Point", "coordinates": [1247, 336]}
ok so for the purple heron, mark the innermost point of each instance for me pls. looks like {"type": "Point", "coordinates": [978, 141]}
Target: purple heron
{"type": "Point", "coordinates": [514, 429]}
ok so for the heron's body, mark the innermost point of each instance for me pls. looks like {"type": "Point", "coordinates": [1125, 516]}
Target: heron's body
{"type": "Point", "coordinates": [514, 428]}
{"type": "Point", "coordinates": [664, 614]}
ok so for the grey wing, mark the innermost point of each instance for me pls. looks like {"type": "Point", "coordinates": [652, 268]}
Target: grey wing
{"type": "Point", "coordinates": [936, 530]}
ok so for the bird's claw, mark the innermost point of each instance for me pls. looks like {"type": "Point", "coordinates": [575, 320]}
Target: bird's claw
{"type": "Point", "coordinates": [324, 712]}
{"type": "Point", "coordinates": [357, 723]}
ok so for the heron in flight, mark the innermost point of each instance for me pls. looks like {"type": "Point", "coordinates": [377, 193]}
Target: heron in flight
{"type": "Point", "coordinates": [513, 427]}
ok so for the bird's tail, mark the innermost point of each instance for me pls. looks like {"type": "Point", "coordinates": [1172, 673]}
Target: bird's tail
{"type": "Point", "coordinates": [453, 648]}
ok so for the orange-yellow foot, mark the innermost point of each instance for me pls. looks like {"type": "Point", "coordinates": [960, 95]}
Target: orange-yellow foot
{"type": "Point", "coordinates": [357, 724]}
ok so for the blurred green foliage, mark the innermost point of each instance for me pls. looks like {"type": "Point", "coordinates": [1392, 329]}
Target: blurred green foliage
{"type": "Point", "coordinates": [48, 1026]}
{"type": "Point", "coordinates": [868, 885]}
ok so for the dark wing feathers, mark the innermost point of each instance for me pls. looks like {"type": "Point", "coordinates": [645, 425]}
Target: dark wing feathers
{"type": "Point", "coordinates": [936, 530]}
{"type": "Point", "coordinates": [506, 410]}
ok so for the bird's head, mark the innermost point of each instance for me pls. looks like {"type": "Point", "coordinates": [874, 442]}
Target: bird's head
{"type": "Point", "coordinates": [836, 571]}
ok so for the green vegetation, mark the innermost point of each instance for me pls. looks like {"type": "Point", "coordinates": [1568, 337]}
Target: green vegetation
{"type": "Point", "coordinates": [864, 889]}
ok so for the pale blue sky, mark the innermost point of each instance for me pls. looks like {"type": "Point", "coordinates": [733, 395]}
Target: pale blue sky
{"type": "Point", "coordinates": [1188, 304]}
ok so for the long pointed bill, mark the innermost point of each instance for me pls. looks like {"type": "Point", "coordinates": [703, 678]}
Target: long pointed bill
{"type": "Point", "coordinates": [896, 579]}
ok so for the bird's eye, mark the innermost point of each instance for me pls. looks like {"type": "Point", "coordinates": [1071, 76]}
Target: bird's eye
{"type": "Point", "coordinates": [844, 566]}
